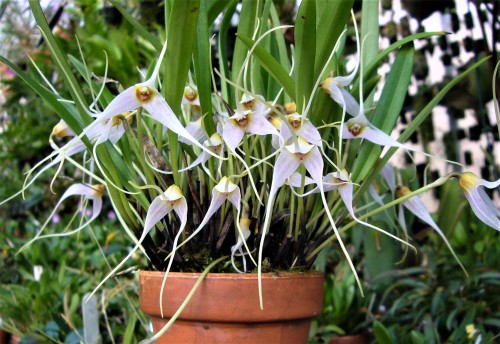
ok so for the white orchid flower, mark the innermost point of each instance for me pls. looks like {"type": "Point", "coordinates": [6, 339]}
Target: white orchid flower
{"type": "Point", "coordinates": [417, 208]}
{"type": "Point", "coordinates": [145, 95]}
{"type": "Point", "coordinates": [93, 193]}
{"type": "Point", "coordinates": [389, 177]}
{"type": "Point", "coordinates": [161, 206]}
{"type": "Point", "coordinates": [60, 130]}
{"type": "Point", "coordinates": [191, 101]}
{"type": "Point", "coordinates": [360, 127]}
{"type": "Point", "coordinates": [195, 128]}
{"type": "Point", "coordinates": [301, 127]}
{"type": "Point", "coordinates": [214, 143]}
{"type": "Point", "coordinates": [340, 181]}
{"type": "Point", "coordinates": [238, 247]}
{"type": "Point", "coordinates": [479, 201]}
{"type": "Point", "coordinates": [245, 121]}
{"type": "Point", "coordinates": [111, 130]}
{"type": "Point", "coordinates": [190, 96]}
{"type": "Point", "coordinates": [334, 86]}
{"type": "Point", "coordinates": [255, 104]}
{"type": "Point", "coordinates": [224, 190]}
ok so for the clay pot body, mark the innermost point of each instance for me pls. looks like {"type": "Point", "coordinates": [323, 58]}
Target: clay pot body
{"type": "Point", "coordinates": [225, 308]}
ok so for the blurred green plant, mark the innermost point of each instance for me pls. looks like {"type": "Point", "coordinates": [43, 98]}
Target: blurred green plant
{"type": "Point", "coordinates": [429, 301]}
{"type": "Point", "coordinates": [345, 311]}
{"type": "Point", "coordinates": [42, 290]}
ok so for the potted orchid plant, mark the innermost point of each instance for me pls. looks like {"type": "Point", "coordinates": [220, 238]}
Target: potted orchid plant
{"type": "Point", "coordinates": [252, 165]}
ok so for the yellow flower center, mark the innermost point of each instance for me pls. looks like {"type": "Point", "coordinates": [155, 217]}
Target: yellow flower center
{"type": "Point", "coordinates": [248, 104]}
{"type": "Point", "coordinates": [190, 94]}
{"type": "Point", "coordinates": [144, 93]}
{"type": "Point", "coordinates": [60, 130]}
{"type": "Point", "coordinates": [290, 108]}
{"type": "Point", "coordinates": [295, 122]}
{"type": "Point", "coordinates": [355, 128]}
{"type": "Point", "coordinates": [402, 191]}
{"type": "Point", "coordinates": [468, 181]}
{"type": "Point", "coordinates": [241, 121]}
{"type": "Point", "coordinates": [99, 189]}
{"type": "Point", "coordinates": [325, 85]}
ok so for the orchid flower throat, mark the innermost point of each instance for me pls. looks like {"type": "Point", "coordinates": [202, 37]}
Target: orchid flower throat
{"type": "Point", "coordinates": [355, 128]}
{"type": "Point", "coordinates": [243, 120]}
{"type": "Point", "coordinates": [144, 94]}
{"type": "Point", "coordinates": [190, 94]}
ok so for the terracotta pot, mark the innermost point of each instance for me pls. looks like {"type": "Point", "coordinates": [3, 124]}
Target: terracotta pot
{"type": "Point", "coordinates": [354, 339]}
{"type": "Point", "coordinates": [225, 308]}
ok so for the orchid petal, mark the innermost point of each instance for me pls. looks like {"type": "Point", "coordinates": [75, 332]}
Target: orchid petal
{"type": "Point", "coordinates": [342, 97]}
{"type": "Point", "coordinates": [417, 207]}
{"type": "Point", "coordinates": [285, 165]}
{"type": "Point", "coordinates": [194, 128]}
{"type": "Point", "coordinates": [351, 105]}
{"type": "Point", "coordinates": [487, 201]}
{"type": "Point", "coordinates": [157, 210]}
{"type": "Point", "coordinates": [375, 195]}
{"type": "Point", "coordinates": [181, 210]}
{"type": "Point", "coordinates": [232, 134]}
{"type": "Point", "coordinates": [346, 193]}
{"type": "Point", "coordinates": [389, 176]}
{"type": "Point", "coordinates": [489, 185]}
{"type": "Point", "coordinates": [73, 190]}
{"type": "Point", "coordinates": [295, 180]}
{"type": "Point", "coordinates": [242, 237]}
{"type": "Point", "coordinates": [482, 209]}
{"type": "Point", "coordinates": [259, 125]}
{"type": "Point", "coordinates": [314, 165]}
{"type": "Point", "coordinates": [377, 136]}
{"type": "Point", "coordinates": [310, 133]}
{"type": "Point", "coordinates": [124, 102]}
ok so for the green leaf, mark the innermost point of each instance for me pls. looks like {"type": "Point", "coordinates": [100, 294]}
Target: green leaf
{"type": "Point", "coordinates": [128, 337]}
{"type": "Point", "coordinates": [74, 123]}
{"type": "Point", "coordinates": [305, 51]}
{"type": "Point", "coordinates": [215, 7]}
{"type": "Point", "coordinates": [61, 62]}
{"type": "Point", "coordinates": [382, 334]}
{"type": "Point", "coordinates": [181, 38]}
{"type": "Point", "coordinates": [182, 29]}
{"type": "Point", "coordinates": [417, 121]}
{"type": "Point", "coordinates": [332, 18]}
{"type": "Point", "coordinates": [388, 108]}
{"type": "Point", "coordinates": [202, 67]}
{"type": "Point", "coordinates": [417, 337]}
{"type": "Point", "coordinates": [373, 64]}
{"type": "Point", "coordinates": [223, 60]}
{"type": "Point", "coordinates": [138, 26]}
{"type": "Point", "coordinates": [250, 11]}
{"type": "Point", "coordinates": [271, 65]}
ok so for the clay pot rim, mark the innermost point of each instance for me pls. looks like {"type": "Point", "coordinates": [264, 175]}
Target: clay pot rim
{"type": "Point", "coordinates": [233, 275]}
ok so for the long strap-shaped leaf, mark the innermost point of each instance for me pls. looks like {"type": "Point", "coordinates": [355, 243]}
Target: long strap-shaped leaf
{"type": "Point", "coordinates": [388, 108]}
{"type": "Point", "coordinates": [305, 51]}
{"type": "Point", "coordinates": [181, 36]}
{"type": "Point", "coordinates": [46, 95]}
{"type": "Point", "coordinates": [202, 68]}
{"type": "Point", "coordinates": [271, 65]}
{"type": "Point", "coordinates": [148, 36]}
{"type": "Point", "coordinates": [61, 63]}
{"type": "Point", "coordinates": [413, 126]}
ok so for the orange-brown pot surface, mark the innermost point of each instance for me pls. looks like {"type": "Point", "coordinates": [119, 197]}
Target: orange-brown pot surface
{"type": "Point", "coordinates": [225, 308]}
